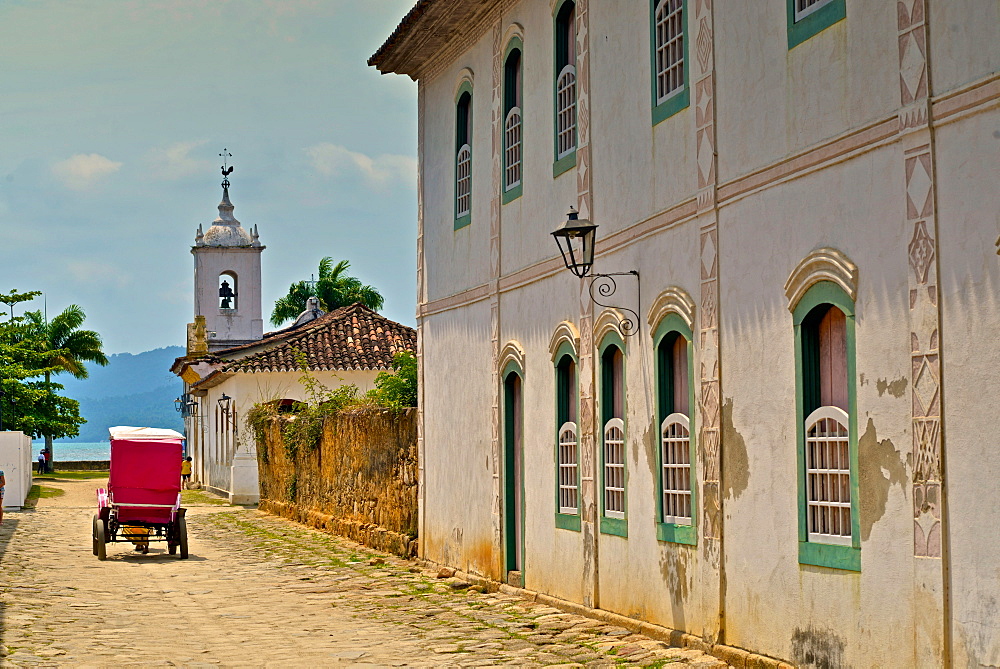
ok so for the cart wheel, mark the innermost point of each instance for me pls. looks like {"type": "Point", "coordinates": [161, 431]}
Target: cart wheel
{"type": "Point", "coordinates": [100, 539]}
{"type": "Point", "coordinates": [97, 519]}
{"type": "Point", "coordinates": [171, 547]}
{"type": "Point", "coordinates": [182, 536]}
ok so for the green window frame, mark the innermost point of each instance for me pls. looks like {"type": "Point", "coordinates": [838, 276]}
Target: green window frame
{"type": "Point", "coordinates": [815, 22]}
{"type": "Point", "coordinates": [609, 525]}
{"type": "Point", "coordinates": [567, 400]}
{"type": "Point", "coordinates": [564, 57]}
{"type": "Point", "coordinates": [814, 553]}
{"type": "Point", "coordinates": [673, 324]}
{"type": "Point", "coordinates": [463, 136]}
{"type": "Point", "coordinates": [681, 99]}
{"type": "Point", "coordinates": [513, 96]}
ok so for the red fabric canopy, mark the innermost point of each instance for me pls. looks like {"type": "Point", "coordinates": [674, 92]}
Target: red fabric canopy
{"type": "Point", "coordinates": [145, 471]}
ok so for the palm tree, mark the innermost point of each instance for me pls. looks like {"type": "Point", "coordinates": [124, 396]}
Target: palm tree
{"type": "Point", "coordinates": [335, 288]}
{"type": "Point", "coordinates": [67, 346]}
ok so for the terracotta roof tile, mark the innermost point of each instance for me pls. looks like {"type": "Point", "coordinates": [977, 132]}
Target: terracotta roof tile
{"type": "Point", "coordinates": [352, 337]}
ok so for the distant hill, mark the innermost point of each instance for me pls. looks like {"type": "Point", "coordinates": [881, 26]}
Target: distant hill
{"type": "Point", "coordinates": [132, 390]}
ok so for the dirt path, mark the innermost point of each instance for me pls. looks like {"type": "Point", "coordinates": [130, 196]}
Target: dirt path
{"type": "Point", "coordinates": [262, 591]}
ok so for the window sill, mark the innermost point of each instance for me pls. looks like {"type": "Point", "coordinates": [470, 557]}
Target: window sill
{"type": "Point", "coordinates": [567, 522]}
{"type": "Point", "coordinates": [564, 164]}
{"type": "Point", "coordinates": [463, 221]}
{"type": "Point", "coordinates": [847, 558]}
{"type": "Point", "coordinates": [508, 196]}
{"type": "Point", "coordinates": [677, 534]}
{"type": "Point", "coordinates": [824, 17]}
{"type": "Point", "coordinates": [614, 526]}
{"type": "Point", "coordinates": [669, 107]}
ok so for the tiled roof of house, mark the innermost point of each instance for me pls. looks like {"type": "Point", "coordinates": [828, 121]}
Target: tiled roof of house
{"type": "Point", "coordinates": [352, 337]}
{"type": "Point", "coordinates": [426, 28]}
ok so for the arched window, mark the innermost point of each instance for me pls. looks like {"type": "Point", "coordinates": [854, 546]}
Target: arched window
{"type": "Point", "coordinates": [669, 58]}
{"type": "Point", "coordinates": [565, 86]}
{"type": "Point", "coordinates": [567, 441]}
{"type": "Point", "coordinates": [463, 157]}
{"type": "Point", "coordinates": [512, 135]}
{"type": "Point", "coordinates": [827, 431]}
{"type": "Point", "coordinates": [228, 291]}
{"type": "Point", "coordinates": [675, 457]}
{"type": "Point", "coordinates": [613, 482]}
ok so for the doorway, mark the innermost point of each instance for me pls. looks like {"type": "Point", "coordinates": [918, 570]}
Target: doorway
{"type": "Point", "coordinates": [513, 484]}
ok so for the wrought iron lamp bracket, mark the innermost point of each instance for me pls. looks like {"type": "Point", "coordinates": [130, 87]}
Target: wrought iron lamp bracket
{"type": "Point", "coordinates": [606, 286]}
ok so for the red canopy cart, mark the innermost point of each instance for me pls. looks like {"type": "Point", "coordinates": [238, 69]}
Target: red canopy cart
{"type": "Point", "coordinates": [143, 500]}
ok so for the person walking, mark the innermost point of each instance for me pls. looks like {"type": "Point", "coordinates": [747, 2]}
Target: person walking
{"type": "Point", "coordinates": [41, 461]}
{"type": "Point", "coordinates": [48, 460]}
{"type": "Point", "coordinates": [3, 482]}
{"type": "Point", "coordinates": [186, 472]}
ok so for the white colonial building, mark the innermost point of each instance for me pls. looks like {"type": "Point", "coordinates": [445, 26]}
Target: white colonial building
{"type": "Point", "coordinates": [777, 433]}
{"type": "Point", "coordinates": [231, 365]}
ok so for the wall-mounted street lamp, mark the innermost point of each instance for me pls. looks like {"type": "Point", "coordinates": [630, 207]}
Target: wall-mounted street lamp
{"type": "Point", "coordinates": [224, 403]}
{"type": "Point", "coordinates": [186, 405]}
{"type": "Point", "coordinates": [576, 237]}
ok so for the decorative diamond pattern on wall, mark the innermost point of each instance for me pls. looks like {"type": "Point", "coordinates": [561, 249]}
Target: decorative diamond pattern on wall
{"type": "Point", "coordinates": [921, 251]}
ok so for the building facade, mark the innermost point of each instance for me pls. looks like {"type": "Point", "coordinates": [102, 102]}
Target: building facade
{"type": "Point", "coordinates": [772, 435]}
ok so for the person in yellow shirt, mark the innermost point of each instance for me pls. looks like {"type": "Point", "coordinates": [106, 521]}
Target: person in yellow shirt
{"type": "Point", "coordinates": [186, 472]}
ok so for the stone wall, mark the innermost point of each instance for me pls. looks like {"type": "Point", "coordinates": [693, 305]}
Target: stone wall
{"type": "Point", "coordinates": [360, 482]}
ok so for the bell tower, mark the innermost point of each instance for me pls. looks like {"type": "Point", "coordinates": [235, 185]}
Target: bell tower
{"type": "Point", "coordinates": [227, 276]}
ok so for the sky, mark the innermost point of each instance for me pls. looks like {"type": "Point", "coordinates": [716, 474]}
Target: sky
{"type": "Point", "coordinates": [112, 118]}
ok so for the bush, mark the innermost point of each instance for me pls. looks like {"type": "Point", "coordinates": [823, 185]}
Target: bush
{"type": "Point", "coordinates": [397, 389]}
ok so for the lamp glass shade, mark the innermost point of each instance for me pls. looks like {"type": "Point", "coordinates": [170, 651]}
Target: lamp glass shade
{"type": "Point", "coordinates": [224, 402]}
{"type": "Point", "coordinates": [575, 238]}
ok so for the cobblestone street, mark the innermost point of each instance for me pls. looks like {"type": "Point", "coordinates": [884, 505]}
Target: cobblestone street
{"type": "Point", "coordinates": [262, 591]}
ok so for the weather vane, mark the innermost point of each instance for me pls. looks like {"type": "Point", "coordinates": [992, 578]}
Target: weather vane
{"type": "Point", "coordinates": [226, 168]}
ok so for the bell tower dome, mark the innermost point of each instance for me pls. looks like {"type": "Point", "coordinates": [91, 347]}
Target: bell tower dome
{"type": "Point", "coordinates": [227, 277]}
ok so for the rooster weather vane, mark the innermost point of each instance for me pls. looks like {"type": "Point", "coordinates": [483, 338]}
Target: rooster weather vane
{"type": "Point", "coordinates": [227, 169]}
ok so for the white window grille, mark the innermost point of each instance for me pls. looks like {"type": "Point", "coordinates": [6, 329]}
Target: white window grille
{"type": "Point", "coordinates": [614, 468]}
{"type": "Point", "coordinates": [669, 30]}
{"type": "Point", "coordinates": [569, 493]}
{"type": "Point", "coordinates": [566, 112]}
{"type": "Point", "coordinates": [463, 181]}
{"type": "Point", "coordinates": [512, 144]}
{"type": "Point", "coordinates": [828, 476]}
{"type": "Point", "coordinates": [675, 454]}
{"type": "Point", "coordinates": [804, 8]}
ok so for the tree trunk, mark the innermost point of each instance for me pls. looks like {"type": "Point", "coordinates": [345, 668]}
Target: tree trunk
{"type": "Point", "coordinates": [48, 438]}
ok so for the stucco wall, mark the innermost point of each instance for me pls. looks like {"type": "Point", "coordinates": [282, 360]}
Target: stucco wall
{"type": "Point", "coordinates": [812, 148]}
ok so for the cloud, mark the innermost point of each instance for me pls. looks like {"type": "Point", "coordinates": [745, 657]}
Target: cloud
{"type": "Point", "coordinates": [175, 162]}
{"type": "Point", "coordinates": [83, 171]}
{"type": "Point", "coordinates": [333, 160]}
{"type": "Point", "coordinates": [99, 273]}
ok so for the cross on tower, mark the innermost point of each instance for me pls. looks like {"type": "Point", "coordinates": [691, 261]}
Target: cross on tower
{"type": "Point", "coordinates": [226, 170]}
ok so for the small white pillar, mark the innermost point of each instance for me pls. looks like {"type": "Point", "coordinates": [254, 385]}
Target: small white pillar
{"type": "Point", "coordinates": [15, 461]}
{"type": "Point", "coordinates": [245, 487]}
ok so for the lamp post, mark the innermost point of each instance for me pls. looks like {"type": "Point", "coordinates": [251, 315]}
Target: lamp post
{"type": "Point", "coordinates": [576, 238]}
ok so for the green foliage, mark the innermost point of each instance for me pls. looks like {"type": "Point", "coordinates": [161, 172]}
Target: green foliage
{"type": "Point", "coordinates": [335, 288]}
{"type": "Point", "coordinates": [302, 428]}
{"type": "Point", "coordinates": [30, 352]}
{"type": "Point", "coordinates": [396, 389]}
{"type": "Point", "coordinates": [292, 489]}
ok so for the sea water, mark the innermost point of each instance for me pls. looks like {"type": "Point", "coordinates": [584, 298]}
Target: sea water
{"type": "Point", "coordinates": [75, 451]}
